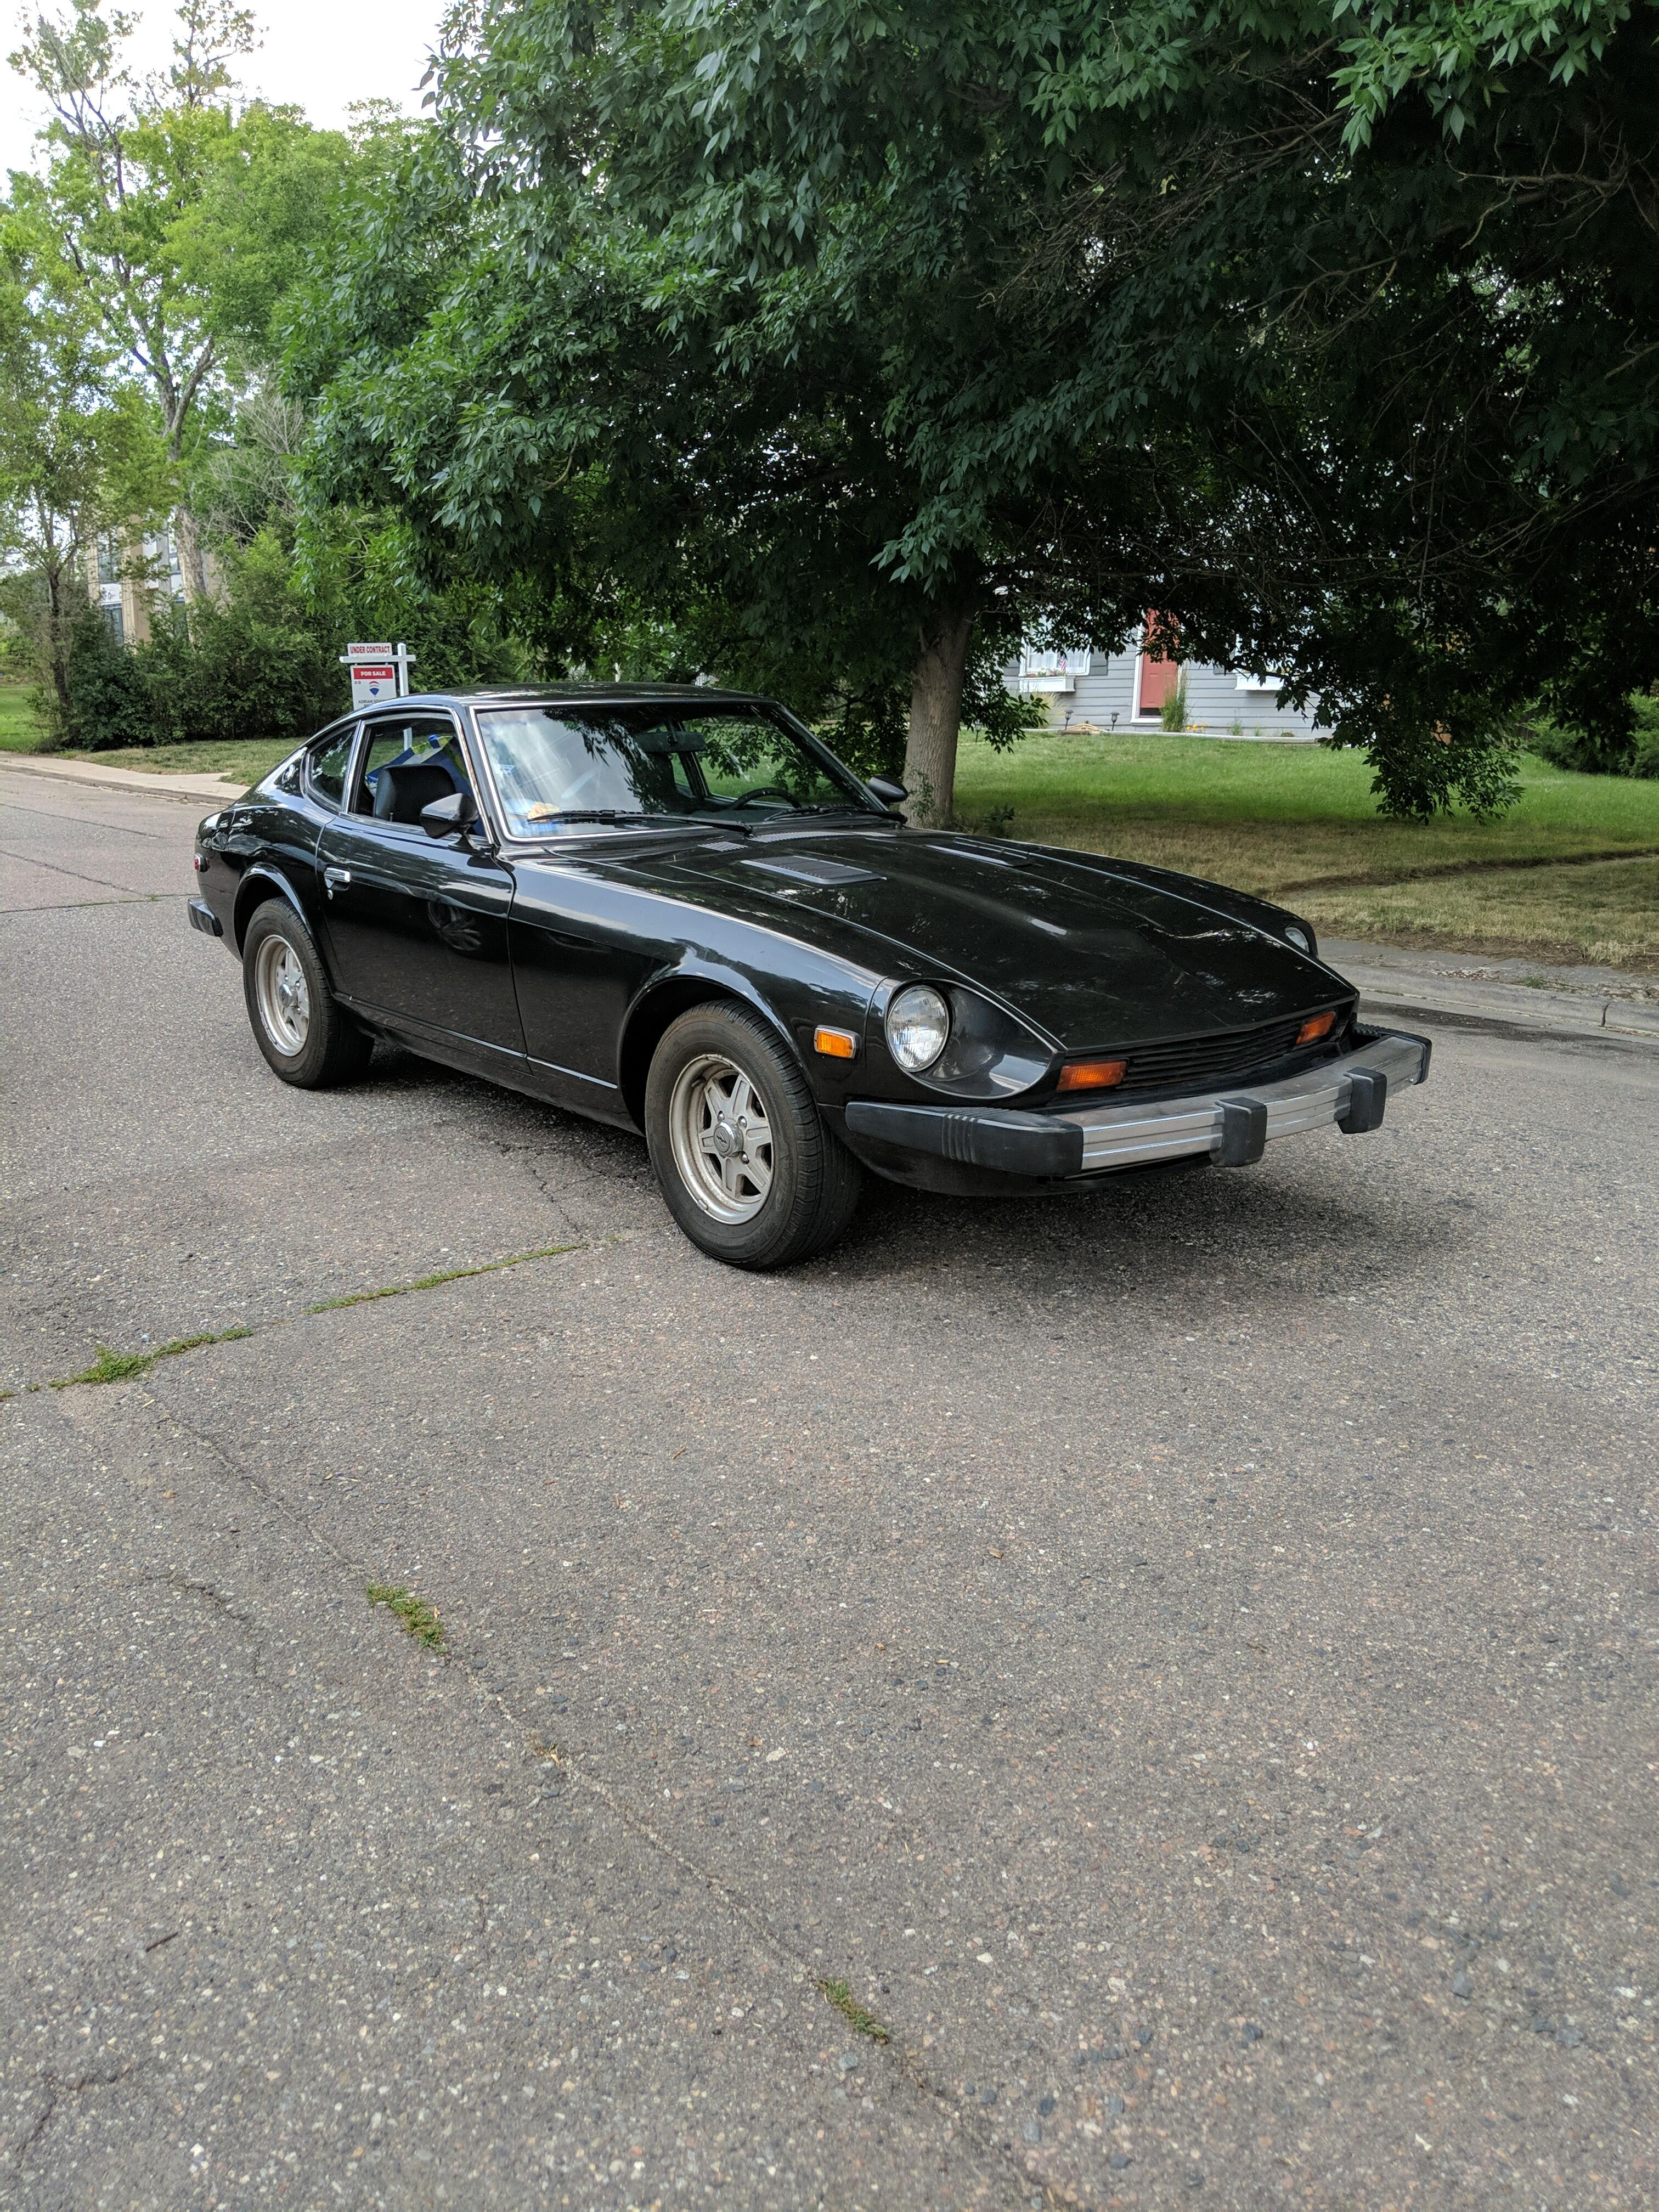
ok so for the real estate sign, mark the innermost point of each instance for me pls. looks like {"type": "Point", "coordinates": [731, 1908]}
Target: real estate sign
{"type": "Point", "coordinates": [379, 671]}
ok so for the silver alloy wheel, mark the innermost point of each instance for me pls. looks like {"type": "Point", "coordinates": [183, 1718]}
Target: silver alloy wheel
{"type": "Point", "coordinates": [721, 1134]}
{"type": "Point", "coordinates": [283, 994]}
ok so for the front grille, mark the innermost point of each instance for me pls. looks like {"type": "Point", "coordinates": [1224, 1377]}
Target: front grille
{"type": "Point", "coordinates": [1206, 1063]}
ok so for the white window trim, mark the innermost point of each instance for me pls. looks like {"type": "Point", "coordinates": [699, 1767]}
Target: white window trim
{"type": "Point", "coordinates": [1271, 682]}
{"type": "Point", "coordinates": [1035, 679]}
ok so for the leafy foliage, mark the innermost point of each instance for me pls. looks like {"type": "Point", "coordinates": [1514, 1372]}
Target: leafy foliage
{"type": "Point", "coordinates": [818, 334]}
{"type": "Point", "coordinates": [169, 225]}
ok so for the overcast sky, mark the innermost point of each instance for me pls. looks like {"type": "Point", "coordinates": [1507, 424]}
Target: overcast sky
{"type": "Point", "coordinates": [320, 55]}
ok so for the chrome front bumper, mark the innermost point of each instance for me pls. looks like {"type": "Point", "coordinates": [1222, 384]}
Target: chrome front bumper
{"type": "Point", "coordinates": [1233, 1127]}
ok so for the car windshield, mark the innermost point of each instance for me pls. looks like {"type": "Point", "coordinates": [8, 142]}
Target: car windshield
{"type": "Point", "coordinates": [562, 769]}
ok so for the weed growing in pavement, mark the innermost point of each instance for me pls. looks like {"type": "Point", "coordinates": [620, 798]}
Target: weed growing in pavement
{"type": "Point", "coordinates": [435, 1282]}
{"type": "Point", "coordinates": [415, 1615]}
{"type": "Point", "coordinates": [119, 1366]}
{"type": "Point", "coordinates": [860, 2022]}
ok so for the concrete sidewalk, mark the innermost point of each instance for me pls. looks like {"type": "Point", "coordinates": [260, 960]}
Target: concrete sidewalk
{"type": "Point", "coordinates": [213, 790]}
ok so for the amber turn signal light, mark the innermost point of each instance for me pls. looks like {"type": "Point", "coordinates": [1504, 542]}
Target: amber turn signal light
{"type": "Point", "coordinates": [834, 1044]}
{"type": "Point", "coordinates": [1091, 1074]}
{"type": "Point", "coordinates": [1316, 1026]}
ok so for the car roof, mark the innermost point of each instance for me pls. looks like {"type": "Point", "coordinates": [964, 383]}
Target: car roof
{"type": "Point", "coordinates": [583, 694]}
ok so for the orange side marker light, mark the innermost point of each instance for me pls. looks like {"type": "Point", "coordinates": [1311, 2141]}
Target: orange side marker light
{"type": "Point", "coordinates": [1091, 1074]}
{"type": "Point", "coordinates": [1316, 1026]}
{"type": "Point", "coordinates": [836, 1044]}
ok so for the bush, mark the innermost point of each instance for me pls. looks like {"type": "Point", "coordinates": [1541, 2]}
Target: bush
{"type": "Point", "coordinates": [265, 661]}
{"type": "Point", "coordinates": [1635, 752]}
{"type": "Point", "coordinates": [1644, 749]}
{"type": "Point", "coordinates": [227, 671]}
{"type": "Point", "coordinates": [108, 703]}
{"type": "Point", "coordinates": [1173, 712]}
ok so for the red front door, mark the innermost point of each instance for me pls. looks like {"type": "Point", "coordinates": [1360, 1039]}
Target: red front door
{"type": "Point", "coordinates": [1156, 678]}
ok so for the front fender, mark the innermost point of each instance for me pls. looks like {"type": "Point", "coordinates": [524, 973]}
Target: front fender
{"type": "Point", "coordinates": [790, 1009]}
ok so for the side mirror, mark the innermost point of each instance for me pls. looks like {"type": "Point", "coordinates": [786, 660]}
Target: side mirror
{"type": "Point", "coordinates": [456, 810]}
{"type": "Point", "coordinates": [889, 792]}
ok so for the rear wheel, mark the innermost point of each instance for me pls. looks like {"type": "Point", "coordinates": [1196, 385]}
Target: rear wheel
{"type": "Point", "coordinates": [303, 1033]}
{"type": "Point", "coordinates": [747, 1168]}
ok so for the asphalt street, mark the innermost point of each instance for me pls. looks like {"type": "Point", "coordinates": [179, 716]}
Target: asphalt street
{"type": "Point", "coordinates": [1180, 1660]}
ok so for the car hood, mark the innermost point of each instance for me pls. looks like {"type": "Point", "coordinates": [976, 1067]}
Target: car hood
{"type": "Point", "coordinates": [1095, 951]}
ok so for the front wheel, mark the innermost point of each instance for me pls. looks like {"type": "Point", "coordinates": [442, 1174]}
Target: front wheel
{"type": "Point", "coordinates": [747, 1168]}
{"type": "Point", "coordinates": [306, 1034]}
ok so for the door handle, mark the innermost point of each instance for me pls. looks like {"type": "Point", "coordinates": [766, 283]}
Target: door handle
{"type": "Point", "coordinates": [332, 876]}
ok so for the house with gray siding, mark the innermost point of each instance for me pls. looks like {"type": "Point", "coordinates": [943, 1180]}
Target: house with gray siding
{"type": "Point", "coordinates": [1089, 691]}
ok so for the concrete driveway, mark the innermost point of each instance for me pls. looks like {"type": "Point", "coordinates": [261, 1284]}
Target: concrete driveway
{"type": "Point", "coordinates": [1180, 1664]}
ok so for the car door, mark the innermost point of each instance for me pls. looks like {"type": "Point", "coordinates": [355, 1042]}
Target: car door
{"type": "Point", "coordinates": [416, 926]}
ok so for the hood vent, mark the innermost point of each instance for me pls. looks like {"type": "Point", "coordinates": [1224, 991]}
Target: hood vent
{"type": "Point", "coordinates": [808, 869]}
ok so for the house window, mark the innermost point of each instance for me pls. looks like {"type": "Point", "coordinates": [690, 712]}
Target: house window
{"type": "Point", "coordinates": [1043, 669]}
{"type": "Point", "coordinates": [1156, 678]}
{"type": "Point", "coordinates": [1272, 681]}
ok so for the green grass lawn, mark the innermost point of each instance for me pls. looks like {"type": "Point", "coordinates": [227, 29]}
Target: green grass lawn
{"type": "Point", "coordinates": [239, 760]}
{"type": "Point", "coordinates": [18, 731]}
{"type": "Point", "coordinates": [1299, 822]}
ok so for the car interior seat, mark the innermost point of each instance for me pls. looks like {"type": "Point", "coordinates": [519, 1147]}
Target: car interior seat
{"type": "Point", "coordinates": [401, 789]}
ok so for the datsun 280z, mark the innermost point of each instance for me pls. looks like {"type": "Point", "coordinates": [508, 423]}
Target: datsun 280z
{"type": "Point", "coordinates": [674, 909]}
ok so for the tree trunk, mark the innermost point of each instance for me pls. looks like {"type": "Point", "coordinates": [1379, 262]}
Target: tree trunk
{"type": "Point", "coordinates": [58, 623]}
{"type": "Point", "coordinates": [936, 681]}
{"type": "Point", "coordinates": [193, 569]}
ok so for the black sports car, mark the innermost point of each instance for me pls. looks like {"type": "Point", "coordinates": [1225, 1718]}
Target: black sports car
{"type": "Point", "coordinates": [675, 910]}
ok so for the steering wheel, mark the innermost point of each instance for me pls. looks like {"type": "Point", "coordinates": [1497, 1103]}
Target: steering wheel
{"type": "Point", "coordinates": [769, 790]}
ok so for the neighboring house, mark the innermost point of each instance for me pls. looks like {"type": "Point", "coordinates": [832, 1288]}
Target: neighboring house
{"type": "Point", "coordinates": [1126, 690]}
{"type": "Point", "coordinates": [126, 576]}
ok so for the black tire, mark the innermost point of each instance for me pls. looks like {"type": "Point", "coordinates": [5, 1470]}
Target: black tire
{"type": "Point", "coordinates": [330, 1048]}
{"type": "Point", "coordinates": [814, 1182]}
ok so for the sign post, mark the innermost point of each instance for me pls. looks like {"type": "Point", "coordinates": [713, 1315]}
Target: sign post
{"type": "Point", "coordinates": [379, 671]}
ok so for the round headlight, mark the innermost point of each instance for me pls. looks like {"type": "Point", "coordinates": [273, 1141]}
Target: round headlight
{"type": "Point", "coordinates": [1299, 939]}
{"type": "Point", "coordinates": [918, 1026]}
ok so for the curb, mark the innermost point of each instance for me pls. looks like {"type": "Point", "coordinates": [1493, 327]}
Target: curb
{"type": "Point", "coordinates": [1565, 1017]}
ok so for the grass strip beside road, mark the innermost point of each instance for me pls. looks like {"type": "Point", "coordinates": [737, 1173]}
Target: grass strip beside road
{"type": "Point", "coordinates": [19, 730]}
{"type": "Point", "coordinates": [1281, 815]}
{"type": "Point", "coordinates": [1299, 824]}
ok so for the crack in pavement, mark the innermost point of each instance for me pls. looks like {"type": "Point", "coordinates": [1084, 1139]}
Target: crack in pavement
{"type": "Point", "coordinates": [56, 868]}
{"type": "Point", "coordinates": [183, 1583]}
{"type": "Point", "coordinates": [84, 822]}
{"type": "Point", "coordinates": [178, 1348]}
{"type": "Point", "coordinates": [91, 906]}
{"type": "Point", "coordinates": [965, 2121]}
{"type": "Point", "coordinates": [57, 2088]}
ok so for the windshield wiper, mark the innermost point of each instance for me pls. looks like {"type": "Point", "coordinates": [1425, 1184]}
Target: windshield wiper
{"type": "Point", "coordinates": [603, 814]}
{"type": "Point", "coordinates": [867, 813]}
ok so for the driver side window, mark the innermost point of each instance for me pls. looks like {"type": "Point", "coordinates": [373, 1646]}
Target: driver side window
{"type": "Point", "coordinates": [406, 764]}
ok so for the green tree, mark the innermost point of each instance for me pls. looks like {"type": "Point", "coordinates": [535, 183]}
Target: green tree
{"type": "Point", "coordinates": [75, 461]}
{"type": "Point", "coordinates": [172, 224]}
{"type": "Point", "coordinates": [856, 338]}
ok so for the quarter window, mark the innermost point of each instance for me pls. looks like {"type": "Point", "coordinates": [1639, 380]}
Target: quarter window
{"type": "Point", "coordinates": [326, 766]}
